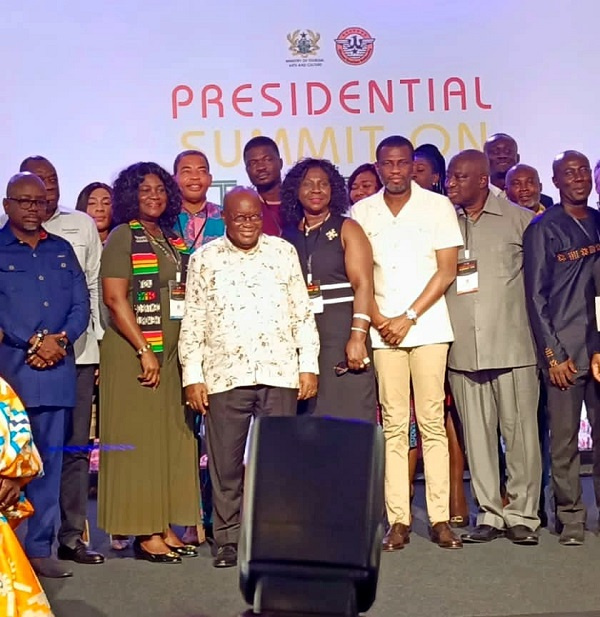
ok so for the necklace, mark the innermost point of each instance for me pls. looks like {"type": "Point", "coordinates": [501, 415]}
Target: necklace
{"type": "Point", "coordinates": [309, 228]}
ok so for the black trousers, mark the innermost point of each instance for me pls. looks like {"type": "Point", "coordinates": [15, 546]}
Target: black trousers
{"type": "Point", "coordinates": [227, 425]}
{"type": "Point", "coordinates": [75, 467]}
{"type": "Point", "coordinates": [564, 414]}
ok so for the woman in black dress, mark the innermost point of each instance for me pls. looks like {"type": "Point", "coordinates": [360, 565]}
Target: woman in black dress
{"type": "Point", "coordinates": [337, 263]}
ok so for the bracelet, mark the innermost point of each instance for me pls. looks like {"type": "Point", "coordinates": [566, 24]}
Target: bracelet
{"type": "Point", "coordinates": [355, 329]}
{"type": "Point", "coordinates": [38, 343]}
{"type": "Point", "coordinates": [361, 316]}
{"type": "Point", "coordinates": [141, 350]}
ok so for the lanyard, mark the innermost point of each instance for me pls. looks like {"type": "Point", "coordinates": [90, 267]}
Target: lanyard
{"type": "Point", "coordinates": [309, 254]}
{"type": "Point", "coordinates": [467, 250]}
{"type": "Point", "coordinates": [193, 246]}
{"type": "Point", "coordinates": [172, 253]}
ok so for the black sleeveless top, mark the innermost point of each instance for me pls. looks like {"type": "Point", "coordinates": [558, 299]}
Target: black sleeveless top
{"type": "Point", "coordinates": [322, 254]}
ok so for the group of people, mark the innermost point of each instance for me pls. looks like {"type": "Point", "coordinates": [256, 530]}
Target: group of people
{"type": "Point", "coordinates": [455, 306]}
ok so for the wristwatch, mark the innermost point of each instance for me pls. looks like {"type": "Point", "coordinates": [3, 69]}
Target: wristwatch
{"type": "Point", "coordinates": [412, 315]}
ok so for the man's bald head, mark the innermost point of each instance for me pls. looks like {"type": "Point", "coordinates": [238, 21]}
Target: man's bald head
{"type": "Point", "coordinates": [565, 156]}
{"type": "Point", "coordinates": [242, 211]}
{"type": "Point", "coordinates": [239, 194]}
{"type": "Point", "coordinates": [523, 186]}
{"type": "Point", "coordinates": [476, 158]}
{"type": "Point", "coordinates": [467, 179]}
{"type": "Point", "coordinates": [18, 181]}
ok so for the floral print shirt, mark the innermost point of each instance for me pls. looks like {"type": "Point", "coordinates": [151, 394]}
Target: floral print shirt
{"type": "Point", "coordinates": [247, 317]}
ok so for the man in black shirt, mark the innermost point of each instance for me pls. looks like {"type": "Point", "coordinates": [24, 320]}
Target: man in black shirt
{"type": "Point", "coordinates": [561, 247]}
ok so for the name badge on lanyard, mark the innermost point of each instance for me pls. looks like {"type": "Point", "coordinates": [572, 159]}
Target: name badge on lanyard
{"type": "Point", "coordinates": [315, 296]}
{"type": "Point", "coordinates": [467, 276]}
{"type": "Point", "coordinates": [176, 298]}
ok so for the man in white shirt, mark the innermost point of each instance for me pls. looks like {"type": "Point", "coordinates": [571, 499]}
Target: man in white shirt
{"type": "Point", "coordinates": [415, 238]}
{"type": "Point", "coordinates": [80, 231]}
{"type": "Point", "coordinates": [248, 347]}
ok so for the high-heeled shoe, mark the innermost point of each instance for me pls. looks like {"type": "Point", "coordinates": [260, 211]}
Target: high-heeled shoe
{"type": "Point", "coordinates": [141, 553]}
{"type": "Point", "coordinates": [187, 550]}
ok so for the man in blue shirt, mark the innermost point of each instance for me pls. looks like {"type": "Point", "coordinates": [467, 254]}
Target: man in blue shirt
{"type": "Point", "coordinates": [44, 308]}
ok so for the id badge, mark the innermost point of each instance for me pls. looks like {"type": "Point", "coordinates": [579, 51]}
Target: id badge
{"type": "Point", "coordinates": [467, 277]}
{"type": "Point", "coordinates": [176, 299]}
{"type": "Point", "coordinates": [315, 296]}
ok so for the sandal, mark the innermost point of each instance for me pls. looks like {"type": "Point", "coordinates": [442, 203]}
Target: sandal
{"type": "Point", "coordinates": [459, 521]}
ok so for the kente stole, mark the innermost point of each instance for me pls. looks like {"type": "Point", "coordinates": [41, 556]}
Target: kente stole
{"type": "Point", "coordinates": [146, 284]}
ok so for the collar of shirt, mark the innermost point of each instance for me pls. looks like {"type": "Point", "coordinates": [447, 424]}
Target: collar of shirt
{"type": "Point", "coordinates": [7, 236]}
{"type": "Point", "coordinates": [491, 206]}
{"type": "Point", "coordinates": [234, 249]}
{"type": "Point", "coordinates": [209, 211]}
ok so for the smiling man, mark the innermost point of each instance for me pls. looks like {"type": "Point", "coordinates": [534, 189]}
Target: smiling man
{"type": "Point", "coordinates": [248, 347]}
{"type": "Point", "coordinates": [524, 188]}
{"type": "Point", "coordinates": [200, 220]}
{"type": "Point", "coordinates": [560, 254]}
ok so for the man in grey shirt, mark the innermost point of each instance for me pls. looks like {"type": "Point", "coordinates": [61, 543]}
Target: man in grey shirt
{"type": "Point", "coordinates": [492, 362]}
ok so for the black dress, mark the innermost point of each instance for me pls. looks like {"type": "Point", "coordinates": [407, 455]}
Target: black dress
{"type": "Point", "coordinates": [351, 395]}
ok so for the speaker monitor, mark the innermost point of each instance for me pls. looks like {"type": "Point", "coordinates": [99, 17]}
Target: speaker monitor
{"type": "Point", "coordinates": [312, 517]}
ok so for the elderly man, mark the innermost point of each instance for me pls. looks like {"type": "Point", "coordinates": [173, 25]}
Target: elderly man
{"type": "Point", "coordinates": [44, 309]}
{"type": "Point", "coordinates": [492, 362]}
{"type": "Point", "coordinates": [561, 254]}
{"type": "Point", "coordinates": [248, 346]}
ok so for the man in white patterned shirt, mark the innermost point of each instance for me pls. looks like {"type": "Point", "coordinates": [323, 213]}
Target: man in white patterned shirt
{"type": "Point", "coordinates": [248, 347]}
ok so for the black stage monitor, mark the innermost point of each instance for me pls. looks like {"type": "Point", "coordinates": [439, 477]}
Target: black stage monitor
{"type": "Point", "coordinates": [312, 522]}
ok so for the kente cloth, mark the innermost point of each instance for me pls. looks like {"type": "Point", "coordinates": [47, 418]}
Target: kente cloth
{"type": "Point", "coordinates": [21, 594]}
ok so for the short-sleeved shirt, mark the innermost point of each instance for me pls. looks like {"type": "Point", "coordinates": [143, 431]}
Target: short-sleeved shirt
{"type": "Point", "coordinates": [404, 255]}
{"type": "Point", "coordinates": [199, 228]}
{"type": "Point", "coordinates": [491, 327]}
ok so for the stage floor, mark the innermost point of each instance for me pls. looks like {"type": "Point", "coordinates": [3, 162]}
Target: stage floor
{"type": "Point", "coordinates": [499, 579]}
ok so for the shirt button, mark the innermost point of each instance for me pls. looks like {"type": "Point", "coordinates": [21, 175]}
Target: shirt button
{"type": "Point", "coordinates": [46, 303]}
{"type": "Point", "coordinates": [45, 331]}
{"type": "Point", "coordinates": [11, 267]}
{"type": "Point", "coordinates": [63, 265]}
{"type": "Point", "coordinates": [41, 277]}
{"type": "Point", "coordinates": [35, 254]}
{"type": "Point", "coordinates": [477, 329]}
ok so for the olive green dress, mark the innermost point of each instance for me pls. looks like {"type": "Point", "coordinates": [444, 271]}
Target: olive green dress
{"type": "Point", "coordinates": [148, 462]}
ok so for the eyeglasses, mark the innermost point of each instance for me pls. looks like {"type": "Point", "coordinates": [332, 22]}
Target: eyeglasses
{"type": "Point", "coordinates": [240, 219]}
{"type": "Point", "coordinates": [29, 204]}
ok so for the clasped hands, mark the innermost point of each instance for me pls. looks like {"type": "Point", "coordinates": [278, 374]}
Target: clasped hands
{"type": "Point", "coordinates": [50, 351]}
{"type": "Point", "coordinates": [10, 489]}
{"type": "Point", "coordinates": [393, 330]}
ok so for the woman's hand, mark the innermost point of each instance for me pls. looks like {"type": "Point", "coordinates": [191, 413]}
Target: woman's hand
{"type": "Point", "coordinates": [150, 376]}
{"type": "Point", "coordinates": [356, 354]}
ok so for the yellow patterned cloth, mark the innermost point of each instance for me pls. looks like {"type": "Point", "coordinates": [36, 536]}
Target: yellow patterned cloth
{"type": "Point", "coordinates": [21, 594]}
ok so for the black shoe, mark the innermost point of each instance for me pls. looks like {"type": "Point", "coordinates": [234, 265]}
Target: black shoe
{"type": "Point", "coordinates": [79, 554]}
{"type": "Point", "coordinates": [483, 533]}
{"type": "Point", "coordinates": [519, 534]}
{"type": "Point", "coordinates": [187, 550]}
{"type": "Point", "coordinates": [573, 534]}
{"type": "Point", "coordinates": [226, 556]}
{"type": "Point", "coordinates": [49, 567]}
{"type": "Point", "coordinates": [141, 553]}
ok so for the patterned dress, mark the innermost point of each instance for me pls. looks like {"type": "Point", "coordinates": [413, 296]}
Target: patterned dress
{"type": "Point", "coordinates": [21, 594]}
